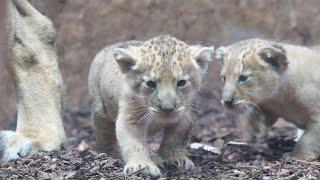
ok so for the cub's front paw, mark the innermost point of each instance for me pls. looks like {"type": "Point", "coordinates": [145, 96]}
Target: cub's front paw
{"type": "Point", "coordinates": [181, 161]}
{"type": "Point", "coordinates": [255, 137]}
{"type": "Point", "coordinates": [146, 167]}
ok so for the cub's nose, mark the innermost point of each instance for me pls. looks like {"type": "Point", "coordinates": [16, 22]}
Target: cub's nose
{"type": "Point", "coordinates": [228, 102]}
{"type": "Point", "coordinates": [168, 108]}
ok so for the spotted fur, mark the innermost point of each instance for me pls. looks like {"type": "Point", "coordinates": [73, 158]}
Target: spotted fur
{"type": "Point", "coordinates": [119, 89]}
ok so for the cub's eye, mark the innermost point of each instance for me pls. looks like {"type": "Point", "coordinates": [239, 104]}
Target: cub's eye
{"type": "Point", "coordinates": [242, 78]}
{"type": "Point", "coordinates": [151, 84]}
{"type": "Point", "coordinates": [223, 78]}
{"type": "Point", "coordinates": [181, 83]}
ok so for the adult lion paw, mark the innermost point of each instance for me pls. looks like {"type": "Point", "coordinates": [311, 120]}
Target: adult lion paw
{"type": "Point", "coordinates": [13, 146]}
{"type": "Point", "coordinates": [146, 167]}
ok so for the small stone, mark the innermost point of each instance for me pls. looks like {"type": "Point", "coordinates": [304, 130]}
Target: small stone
{"type": "Point", "coordinates": [256, 163]}
{"type": "Point", "coordinates": [266, 178]}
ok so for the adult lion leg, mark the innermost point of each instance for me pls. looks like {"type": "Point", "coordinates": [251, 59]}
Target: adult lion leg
{"type": "Point", "coordinates": [38, 84]}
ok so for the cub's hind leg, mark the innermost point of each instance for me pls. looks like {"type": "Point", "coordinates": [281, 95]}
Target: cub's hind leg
{"type": "Point", "coordinates": [104, 129]}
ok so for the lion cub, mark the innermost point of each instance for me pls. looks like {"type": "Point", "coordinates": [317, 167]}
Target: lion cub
{"type": "Point", "coordinates": [141, 87]}
{"type": "Point", "coordinates": [269, 80]}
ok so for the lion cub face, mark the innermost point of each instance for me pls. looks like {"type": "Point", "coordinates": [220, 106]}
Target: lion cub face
{"type": "Point", "coordinates": [251, 71]}
{"type": "Point", "coordinates": [164, 74]}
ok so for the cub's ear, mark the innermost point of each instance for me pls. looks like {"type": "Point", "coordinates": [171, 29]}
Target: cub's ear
{"type": "Point", "coordinates": [202, 56]}
{"type": "Point", "coordinates": [124, 59]}
{"type": "Point", "coordinates": [219, 54]}
{"type": "Point", "coordinates": [275, 57]}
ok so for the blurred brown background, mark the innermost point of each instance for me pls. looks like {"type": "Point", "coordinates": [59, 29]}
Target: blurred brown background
{"type": "Point", "coordinates": [84, 27]}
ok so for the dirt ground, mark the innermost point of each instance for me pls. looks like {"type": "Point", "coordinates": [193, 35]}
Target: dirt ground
{"type": "Point", "coordinates": [85, 27]}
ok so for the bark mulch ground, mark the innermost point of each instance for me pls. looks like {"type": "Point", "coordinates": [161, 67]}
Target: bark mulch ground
{"type": "Point", "coordinates": [80, 161]}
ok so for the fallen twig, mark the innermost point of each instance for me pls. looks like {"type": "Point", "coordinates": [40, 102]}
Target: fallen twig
{"type": "Point", "coordinates": [238, 143]}
{"type": "Point", "coordinates": [205, 147]}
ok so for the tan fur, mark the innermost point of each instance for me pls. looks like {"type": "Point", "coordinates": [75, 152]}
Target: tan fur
{"type": "Point", "coordinates": [38, 84]}
{"type": "Point", "coordinates": [283, 81]}
{"type": "Point", "coordinates": [124, 106]}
